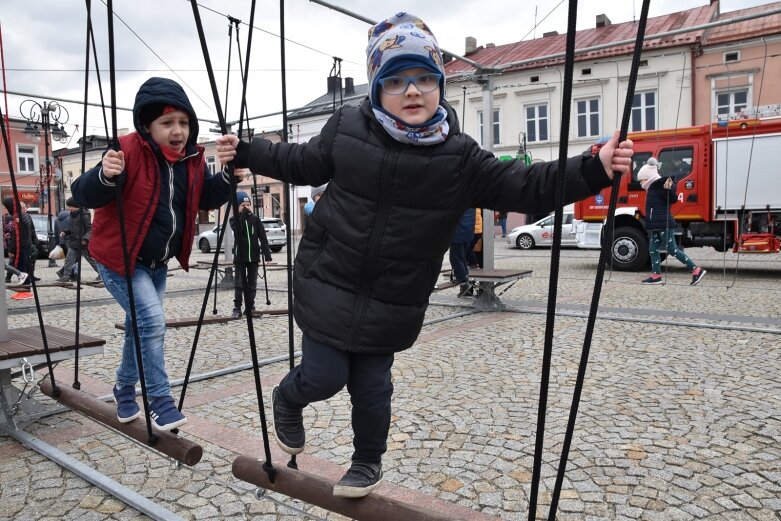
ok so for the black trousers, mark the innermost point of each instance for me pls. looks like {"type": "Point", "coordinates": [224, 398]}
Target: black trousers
{"type": "Point", "coordinates": [324, 371]}
{"type": "Point", "coordinates": [252, 284]}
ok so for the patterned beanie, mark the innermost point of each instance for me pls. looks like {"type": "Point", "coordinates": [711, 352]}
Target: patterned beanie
{"type": "Point", "coordinates": [401, 42]}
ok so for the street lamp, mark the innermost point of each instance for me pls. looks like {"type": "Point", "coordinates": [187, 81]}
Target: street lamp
{"type": "Point", "coordinates": [52, 116]}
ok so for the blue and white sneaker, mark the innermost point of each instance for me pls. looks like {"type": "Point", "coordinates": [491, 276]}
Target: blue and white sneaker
{"type": "Point", "coordinates": [127, 408]}
{"type": "Point", "coordinates": [165, 416]}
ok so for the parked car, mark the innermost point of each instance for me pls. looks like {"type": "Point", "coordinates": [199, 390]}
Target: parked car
{"type": "Point", "coordinates": [540, 233]}
{"type": "Point", "coordinates": [42, 231]}
{"type": "Point", "coordinates": [276, 232]}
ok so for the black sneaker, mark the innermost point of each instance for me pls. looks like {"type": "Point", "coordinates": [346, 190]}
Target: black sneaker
{"type": "Point", "coordinates": [236, 313]}
{"type": "Point", "coordinates": [288, 424]}
{"type": "Point", "coordinates": [362, 478]}
{"type": "Point", "coordinates": [697, 275]}
{"type": "Point", "coordinates": [466, 290]}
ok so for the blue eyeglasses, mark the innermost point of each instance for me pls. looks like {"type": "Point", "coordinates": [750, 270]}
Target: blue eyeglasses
{"type": "Point", "coordinates": [395, 85]}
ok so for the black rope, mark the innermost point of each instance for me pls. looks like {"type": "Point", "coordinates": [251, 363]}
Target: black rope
{"type": "Point", "coordinates": [123, 234]}
{"type": "Point", "coordinates": [288, 222]}
{"type": "Point", "coordinates": [603, 256]}
{"type": "Point", "coordinates": [76, 384]}
{"type": "Point", "coordinates": [566, 95]}
{"type": "Point", "coordinates": [18, 225]}
{"type": "Point", "coordinates": [229, 169]}
{"type": "Point", "coordinates": [245, 114]}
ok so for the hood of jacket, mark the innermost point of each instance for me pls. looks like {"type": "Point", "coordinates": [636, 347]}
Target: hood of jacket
{"type": "Point", "coordinates": [167, 92]}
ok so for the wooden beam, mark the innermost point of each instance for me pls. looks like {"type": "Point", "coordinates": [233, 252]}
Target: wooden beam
{"type": "Point", "coordinates": [188, 322]}
{"type": "Point", "coordinates": [318, 491]}
{"type": "Point", "coordinates": [180, 449]}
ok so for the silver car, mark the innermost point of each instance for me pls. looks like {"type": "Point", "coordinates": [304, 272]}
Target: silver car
{"type": "Point", "coordinates": [276, 232]}
{"type": "Point", "coordinates": [540, 233]}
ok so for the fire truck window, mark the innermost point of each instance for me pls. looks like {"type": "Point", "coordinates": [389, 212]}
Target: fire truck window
{"type": "Point", "coordinates": [676, 162]}
{"type": "Point", "coordinates": [638, 160]}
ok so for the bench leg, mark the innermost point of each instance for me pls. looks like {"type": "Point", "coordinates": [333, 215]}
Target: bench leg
{"type": "Point", "coordinates": [487, 300]}
{"type": "Point", "coordinates": [18, 409]}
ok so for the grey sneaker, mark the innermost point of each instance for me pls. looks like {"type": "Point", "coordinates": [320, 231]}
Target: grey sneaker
{"type": "Point", "coordinates": [288, 424]}
{"type": "Point", "coordinates": [360, 480]}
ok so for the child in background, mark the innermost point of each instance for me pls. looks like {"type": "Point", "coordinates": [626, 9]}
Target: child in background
{"type": "Point", "coordinates": [249, 243]}
{"type": "Point", "coordinates": [661, 193]}
{"type": "Point", "coordinates": [401, 174]}
{"type": "Point", "coordinates": [164, 181]}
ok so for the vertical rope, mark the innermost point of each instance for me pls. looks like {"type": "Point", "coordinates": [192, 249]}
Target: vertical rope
{"type": "Point", "coordinates": [603, 256]}
{"type": "Point", "coordinates": [123, 232]}
{"type": "Point", "coordinates": [566, 96]}
{"type": "Point", "coordinates": [229, 168]}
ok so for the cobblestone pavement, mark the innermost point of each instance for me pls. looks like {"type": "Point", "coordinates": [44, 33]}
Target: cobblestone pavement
{"type": "Point", "coordinates": [680, 416]}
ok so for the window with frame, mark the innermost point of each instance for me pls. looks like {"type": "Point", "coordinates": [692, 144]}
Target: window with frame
{"type": "Point", "coordinates": [536, 122]}
{"type": "Point", "coordinates": [676, 162]}
{"type": "Point", "coordinates": [731, 102]}
{"type": "Point", "coordinates": [211, 164]}
{"type": "Point", "coordinates": [644, 111]}
{"type": "Point", "coordinates": [587, 111]}
{"type": "Point", "coordinates": [27, 159]}
{"type": "Point", "coordinates": [638, 161]}
{"type": "Point", "coordinates": [497, 135]}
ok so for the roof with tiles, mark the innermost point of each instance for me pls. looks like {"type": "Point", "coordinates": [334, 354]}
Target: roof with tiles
{"type": "Point", "coordinates": [763, 26]}
{"type": "Point", "coordinates": [502, 55]}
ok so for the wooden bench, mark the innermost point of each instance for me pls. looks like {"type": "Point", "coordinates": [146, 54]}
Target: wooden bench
{"type": "Point", "coordinates": [21, 354]}
{"type": "Point", "coordinates": [486, 282]}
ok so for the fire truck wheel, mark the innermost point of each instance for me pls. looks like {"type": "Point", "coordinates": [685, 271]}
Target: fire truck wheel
{"type": "Point", "coordinates": [630, 249]}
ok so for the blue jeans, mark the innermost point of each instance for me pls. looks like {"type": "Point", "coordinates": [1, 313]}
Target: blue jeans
{"type": "Point", "coordinates": [458, 261]}
{"type": "Point", "coordinates": [148, 291]}
{"type": "Point", "coordinates": [666, 236]}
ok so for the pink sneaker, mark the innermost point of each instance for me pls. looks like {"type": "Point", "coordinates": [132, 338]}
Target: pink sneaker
{"type": "Point", "coordinates": [697, 275]}
{"type": "Point", "coordinates": [653, 280]}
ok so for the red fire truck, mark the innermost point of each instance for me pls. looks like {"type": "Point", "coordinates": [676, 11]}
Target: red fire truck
{"type": "Point", "coordinates": [729, 191]}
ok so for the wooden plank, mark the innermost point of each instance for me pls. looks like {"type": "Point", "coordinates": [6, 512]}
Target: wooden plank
{"type": "Point", "coordinates": [187, 322]}
{"type": "Point", "coordinates": [27, 341]}
{"type": "Point", "coordinates": [501, 275]}
{"type": "Point", "coordinates": [445, 285]}
{"type": "Point", "coordinates": [181, 449]}
{"type": "Point", "coordinates": [261, 312]}
{"type": "Point", "coordinates": [317, 490]}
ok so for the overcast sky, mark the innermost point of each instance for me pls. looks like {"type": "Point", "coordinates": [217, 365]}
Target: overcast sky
{"type": "Point", "coordinates": [44, 44]}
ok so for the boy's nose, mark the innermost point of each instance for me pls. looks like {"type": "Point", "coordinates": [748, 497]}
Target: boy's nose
{"type": "Point", "coordinates": [414, 88]}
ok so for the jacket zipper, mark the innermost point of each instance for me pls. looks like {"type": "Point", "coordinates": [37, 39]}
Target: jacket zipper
{"type": "Point", "coordinates": [170, 208]}
{"type": "Point", "coordinates": [375, 238]}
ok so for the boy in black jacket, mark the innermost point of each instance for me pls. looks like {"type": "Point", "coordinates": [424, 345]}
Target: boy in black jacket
{"type": "Point", "coordinates": [363, 273]}
{"type": "Point", "coordinates": [249, 241]}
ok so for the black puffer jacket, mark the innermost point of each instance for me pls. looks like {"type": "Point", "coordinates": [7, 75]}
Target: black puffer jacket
{"type": "Point", "coordinates": [657, 205]}
{"type": "Point", "coordinates": [373, 248]}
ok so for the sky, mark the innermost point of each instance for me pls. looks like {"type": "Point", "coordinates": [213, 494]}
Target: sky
{"type": "Point", "coordinates": [44, 47]}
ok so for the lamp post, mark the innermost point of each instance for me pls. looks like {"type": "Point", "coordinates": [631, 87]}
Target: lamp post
{"type": "Point", "coordinates": [52, 117]}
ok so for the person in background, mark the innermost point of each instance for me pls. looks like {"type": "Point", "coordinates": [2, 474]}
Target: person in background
{"type": "Point", "coordinates": [249, 243]}
{"type": "Point", "coordinates": [22, 244]}
{"type": "Point", "coordinates": [503, 222]}
{"type": "Point", "coordinates": [459, 252]}
{"type": "Point", "coordinates": [77, 236]}
{"type": "Point", "coordinates": [476, 246]}
{"type": "Point", "coordinates": [660, 223]}
{"type": "Point", "coordinates": [316, 193]}
{"type": "Point", "coordinates": [162, 176]}
{"type": "Point", "coordinates": [401, 175]}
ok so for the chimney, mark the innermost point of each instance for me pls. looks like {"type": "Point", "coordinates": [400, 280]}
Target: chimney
{"type": "Point", "coordinates": [602, 20]}
{"type": "Point", "coordinates": [490, 45]}
{"type": "Point", "coordinates": [471, 45]}
{"type": "Point", "coordinates": [349, 87]}
{"type": "Point", "coordinates": [334, 84]}
{"type": "Point", "coordinates": [550, 33]}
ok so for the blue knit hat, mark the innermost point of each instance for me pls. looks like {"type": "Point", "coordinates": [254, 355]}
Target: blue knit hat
{"type": "Point", "coordinates": [401, 42]}
{"type": "Point", "coordinates": [242, 197]}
